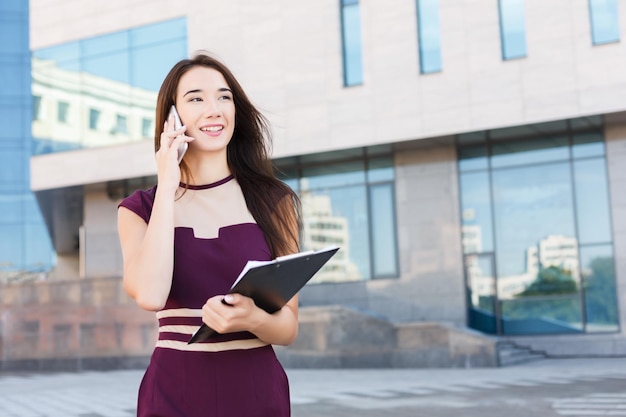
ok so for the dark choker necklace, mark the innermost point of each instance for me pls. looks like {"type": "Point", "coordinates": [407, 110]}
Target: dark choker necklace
{"type": "Point", "coordinates": [207, 186]}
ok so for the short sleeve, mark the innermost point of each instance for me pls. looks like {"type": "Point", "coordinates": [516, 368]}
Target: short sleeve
{"type": "Point", "coordinates": [140, 202]}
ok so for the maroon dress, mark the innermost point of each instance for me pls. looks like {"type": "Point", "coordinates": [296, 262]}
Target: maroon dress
{"type": "Point", "coordinates": [233, 374]}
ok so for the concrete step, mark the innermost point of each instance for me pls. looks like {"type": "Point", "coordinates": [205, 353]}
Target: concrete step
{"type": "Point", "coordinates": [510, 353]}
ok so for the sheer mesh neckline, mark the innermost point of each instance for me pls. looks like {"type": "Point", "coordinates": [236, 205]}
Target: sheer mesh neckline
{"type": "Point", "coordinates": [207, 186]}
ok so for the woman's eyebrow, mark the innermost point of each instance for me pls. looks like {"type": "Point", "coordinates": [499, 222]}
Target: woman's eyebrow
{"type": "Point", "coordinates": [198, 90]}
{"type": "Point", "coordinates": [192, 92]}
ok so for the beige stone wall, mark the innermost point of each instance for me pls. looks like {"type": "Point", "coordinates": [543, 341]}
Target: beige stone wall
{"type": "Point", "coordinates": [429, 239]}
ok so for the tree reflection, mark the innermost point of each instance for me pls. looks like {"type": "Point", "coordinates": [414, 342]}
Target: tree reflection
{"type": "Point", "coordinates": [600, 291]}
{"type": "Point", "coordinates": [552, 280]}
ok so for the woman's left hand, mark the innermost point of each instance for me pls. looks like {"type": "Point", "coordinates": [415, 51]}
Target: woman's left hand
{"type": "Point", "coordinates": [230, 313]}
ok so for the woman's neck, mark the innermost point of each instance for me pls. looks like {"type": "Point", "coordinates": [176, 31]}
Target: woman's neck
{"type": "Point", "coordinates": [208, 170]}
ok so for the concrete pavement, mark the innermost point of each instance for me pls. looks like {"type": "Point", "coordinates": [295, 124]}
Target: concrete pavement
{"type": "Point", "coordinates": [566, 387]}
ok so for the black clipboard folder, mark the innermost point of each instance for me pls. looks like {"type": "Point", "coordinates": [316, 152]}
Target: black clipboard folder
{"type": "Point", "coordinates": [271, 284]}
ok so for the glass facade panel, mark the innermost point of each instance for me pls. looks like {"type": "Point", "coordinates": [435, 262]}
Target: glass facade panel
{"type": "Point", "coordinates": [380, 169]}
{"type": "Point", "coordinates": [351, 37]}
{"type": "Point", "coordinates": [383, 230]}
{"type": "Point", "coordinates": [11, 84]}
{"type": "Point", "coordinates": [512, 28]}
{"type": "Point", "coordinates": [429, 34]}
{"type": "Point", "coordinates": [336, 216]}
{"type": "Point", "coordinates": [473, 157]}
{"type": "Point", "coordinates": [20, 213]}
{"type": "Point", "coordinates": [598, 274]}
{"type": "Point", "coordinates": [604, 18]}
{"type": "Point", "coordinates": [14, 175]}
{"type": "Point", "coordinates": [339, 174]}
{"type": "Point", "coordinates": [529, 151]}
{"type": "Point", "coordinates": [348, 205]}
{"type": "Point", "coordinates": [146, 71]}
{"type": "Point", "coordinates": [118, 74]}
{"type": "Point", "coordinates": [477, 231]}
{"type": "Point", "coordinates": [535, 315]}
{"type": "Point", "coordinates": [587, 145]}
{"type": "Point", "coordinates": [481, 292]}
{"type": "Point", "coordinates": [592, 201]}
{"type": "Point", "coordinates": [550, 220]}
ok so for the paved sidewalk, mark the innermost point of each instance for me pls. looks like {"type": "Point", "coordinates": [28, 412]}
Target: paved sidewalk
{"type": "Point", "coordinates": [572, 387]}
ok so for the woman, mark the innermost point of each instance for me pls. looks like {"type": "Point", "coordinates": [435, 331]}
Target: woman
{"type": "Point", "coordinates": [185, 240]}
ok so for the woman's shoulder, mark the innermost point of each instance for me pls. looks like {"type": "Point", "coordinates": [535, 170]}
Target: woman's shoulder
{"type": "Point", "coordinates": [140, 202]}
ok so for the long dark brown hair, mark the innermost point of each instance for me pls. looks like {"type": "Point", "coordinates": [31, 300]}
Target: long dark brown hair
{"type": "Point", "coordinates": [274, 206]}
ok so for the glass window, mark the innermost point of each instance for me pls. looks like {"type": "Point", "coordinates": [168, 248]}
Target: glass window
{"type": "Point", "coordinates": [588, 144]}
{"type": "Point", "coordinates": [429, 34]}
{"type": "Point", "coordinates": [121, 124]}
{"type": "Point", "coordinates": [146, 128]}
{"type": "Point", "coordinates": [40, 254]}
{"type": "Point", "coordinates": [14, 170]}
{"type": "Point", "coordinates": [481, 292]}
{"type": "Point", "coordinates": [473, 157]}
{"type": "Point", "coordinates": [477, 231]}
{"type": "Point", "coordinates": [351, 37]}
{"type": "Point", "coordinates": [12, 249]}
{"type": "Point", "coordinates": [529, 151]}
{"type": "Point", "coordinates": [531, 205]}
{"type": "Point", "coordinates": [157, 33]}
{"type": "Point", "coordinates": [94, 119]}
{"type": "Point", "coordinates": [380, 169]}
{"type": "Point", "coordinates": [107, 56]}
{"type": "Point", "coordinates": [148, 69]}
{"type": "Point", "coordinates": [592, 201]}
{"type": "Point", "coordinates": [598, 273]}
{"type": "Point", "coordinates": [604, 19]}
{"type": "Point", "coordinates": [62, 111]}
{"type": "Point", "coordinates": [348, 205]}
{"type": "Point", "coordinates": [120, 72]}
{"type": "Point", "coordinates": [383, 230]}
{"type": "Point", "coordinates": [13, 133]}
{"type": "Point", "coordinates": [346, 173]}
{"type": "Point", "coordinates": [21, 105]}
{"type": "Point", "coordinates": [546, 201]}
{"type": "Point", "coordinates": [512, 28]}
{"type": "Point", "coordinates": [18, 34]}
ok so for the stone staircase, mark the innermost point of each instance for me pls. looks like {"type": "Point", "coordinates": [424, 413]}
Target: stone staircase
{"type": "Point", "coordinates": [510, 353]}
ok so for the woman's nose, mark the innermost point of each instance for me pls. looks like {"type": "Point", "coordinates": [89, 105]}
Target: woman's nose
{"type": "Point", "coordinates": [212, 109]}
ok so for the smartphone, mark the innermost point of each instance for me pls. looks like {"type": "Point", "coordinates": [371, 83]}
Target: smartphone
{"type": "Point", "coordinates": [177, 125]}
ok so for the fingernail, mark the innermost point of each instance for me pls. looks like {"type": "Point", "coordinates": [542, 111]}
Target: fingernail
{"type": "Point", "coordinates": [229, 298]}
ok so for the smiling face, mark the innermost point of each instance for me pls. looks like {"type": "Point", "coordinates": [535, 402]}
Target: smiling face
{"type": "Point", "coordinates": [205, 104]}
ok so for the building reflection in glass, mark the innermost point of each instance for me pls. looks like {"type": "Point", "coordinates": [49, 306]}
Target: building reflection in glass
{"type": "Point", "coordinates": [347, 200]}
{"type": "Point", "coordinates": [102, 91]}
{"type": "Point", "coordinates": [536, 232]}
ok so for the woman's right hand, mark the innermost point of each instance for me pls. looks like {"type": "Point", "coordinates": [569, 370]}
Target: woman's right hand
{"type": "Point", "coordinates": [168, 171]}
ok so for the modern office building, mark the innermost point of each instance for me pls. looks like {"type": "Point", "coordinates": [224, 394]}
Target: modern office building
{"type": "Point", "coordinates": [468, 157]}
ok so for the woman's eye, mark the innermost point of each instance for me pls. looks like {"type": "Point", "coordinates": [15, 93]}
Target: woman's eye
{"type": "Point", "coordinates": [226, 98]}
{"type": "Point", "coordinates": [195, 99]}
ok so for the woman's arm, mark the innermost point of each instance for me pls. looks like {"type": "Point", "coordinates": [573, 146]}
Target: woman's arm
{"type": "Point", "coordinates": [148, 252]}
{"type": "Point", "coordinates": [148, 249]}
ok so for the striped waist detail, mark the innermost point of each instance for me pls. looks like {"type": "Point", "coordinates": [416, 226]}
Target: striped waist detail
{"type": "Point", "coordinates": [176, 326]}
